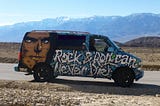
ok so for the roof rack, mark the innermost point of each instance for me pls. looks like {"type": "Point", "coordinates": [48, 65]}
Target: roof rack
{"type": "Point", "coordinates": [61, 31]}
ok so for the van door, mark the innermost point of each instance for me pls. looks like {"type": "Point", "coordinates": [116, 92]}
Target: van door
{"type": "Point", "coordinates": [99, 66]}
{"type": "Point", "coordinates": [69, 54]}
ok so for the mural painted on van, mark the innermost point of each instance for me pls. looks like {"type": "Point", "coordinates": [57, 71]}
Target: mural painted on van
{"type": "Point", "coordinates": [98, 64]}
{"type": "Point", "coordinates": [35, 48]}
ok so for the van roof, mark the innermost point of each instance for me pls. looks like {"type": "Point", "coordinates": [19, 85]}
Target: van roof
{"type": "Point", "coordinates": [61, 31]}
{"type": "Point", "coordinates": [68, 32]}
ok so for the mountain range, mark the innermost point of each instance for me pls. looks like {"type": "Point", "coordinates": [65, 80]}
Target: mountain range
{"type": "Point", "coordinates": [118, 28]}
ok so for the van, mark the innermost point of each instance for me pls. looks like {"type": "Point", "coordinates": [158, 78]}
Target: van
{"type": "Point", "coordinates": [47, 54]}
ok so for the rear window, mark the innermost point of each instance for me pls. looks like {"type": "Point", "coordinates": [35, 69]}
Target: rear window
{"type": "Point", "coordinates": [70, 42]}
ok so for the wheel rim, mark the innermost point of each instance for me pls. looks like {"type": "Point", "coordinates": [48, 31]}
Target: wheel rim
{"type": "Point", "coordinates": [127, 78]}
{"type": "Point", "coordinates": [124, 78]}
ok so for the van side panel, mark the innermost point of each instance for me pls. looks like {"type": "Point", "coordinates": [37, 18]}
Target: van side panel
{"type": "Point", "coordinates": [98, 64]}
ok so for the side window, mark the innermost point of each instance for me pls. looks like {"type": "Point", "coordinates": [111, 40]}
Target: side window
{"type": "Point", "coordinates": [99, 44]}
{"type": "Point", "coordinates": [70, 42]}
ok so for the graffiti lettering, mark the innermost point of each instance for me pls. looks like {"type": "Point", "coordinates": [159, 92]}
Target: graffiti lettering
{"type": "Point", "coordinates": [89, 63]}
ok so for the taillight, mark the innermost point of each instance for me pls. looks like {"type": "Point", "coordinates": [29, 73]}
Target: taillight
{"type": "Point", "coordinates": [19, 55]}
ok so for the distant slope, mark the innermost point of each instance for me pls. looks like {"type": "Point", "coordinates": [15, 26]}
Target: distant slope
{"type": "Point", "coordinates": [119, 44]}
{"type": "Point", "coordinates": [9, 45]}
{"type": "Point", "coordinates": [118, 28]}
{"type": "Point", "coordinates": [144, 42]}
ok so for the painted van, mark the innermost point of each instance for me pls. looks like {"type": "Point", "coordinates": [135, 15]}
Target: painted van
{"type": "Point", "coordinates": [50, 53]}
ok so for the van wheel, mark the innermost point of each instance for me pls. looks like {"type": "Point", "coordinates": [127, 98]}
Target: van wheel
{"type": "Point", "coordinates": [42, 73]}
{"type": "Point", "coordinates": [123, 77]}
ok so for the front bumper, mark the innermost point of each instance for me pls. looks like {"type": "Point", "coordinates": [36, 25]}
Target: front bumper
{"type": "Point", "coordinates": [139, 74]}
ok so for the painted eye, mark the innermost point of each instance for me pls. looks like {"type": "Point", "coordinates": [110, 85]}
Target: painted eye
{"type": "Point", "coordinates": [46, 41]}
{"type": "Point", "coordinates": [28, 40]}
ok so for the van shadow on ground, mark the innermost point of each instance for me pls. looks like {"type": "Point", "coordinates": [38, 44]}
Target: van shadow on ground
{"type": "Point", "coordinates": [136, 89]}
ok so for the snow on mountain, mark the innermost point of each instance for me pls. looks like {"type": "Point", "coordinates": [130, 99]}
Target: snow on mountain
{"type": "Point", "coordinates": [118, 28]}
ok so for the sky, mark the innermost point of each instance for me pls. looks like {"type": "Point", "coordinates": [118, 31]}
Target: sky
{"type": "Point", "coordinates": [16, 11]}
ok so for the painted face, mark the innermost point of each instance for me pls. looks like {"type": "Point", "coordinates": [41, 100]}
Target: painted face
{"type": "Point", "coordinates": [35, 48]}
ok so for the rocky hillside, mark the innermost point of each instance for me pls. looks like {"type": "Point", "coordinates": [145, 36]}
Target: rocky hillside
{"type": "Point", "coordinates": [144, 42]}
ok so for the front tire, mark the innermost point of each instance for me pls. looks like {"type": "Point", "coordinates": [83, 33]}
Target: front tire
{"type": "Point", "coordinates": [123, 77]}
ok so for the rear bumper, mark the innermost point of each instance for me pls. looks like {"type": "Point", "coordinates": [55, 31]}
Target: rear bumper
{"type": "Point", "coordinates": [16, 69]}
{"type": "Point", "coordinates": [139, 74]}
{"type": "Point", "coordinates": [20, 69]}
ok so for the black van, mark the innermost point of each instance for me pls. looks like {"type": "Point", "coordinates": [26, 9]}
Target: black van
{"type": "Point", "coordinates": [49, 53]}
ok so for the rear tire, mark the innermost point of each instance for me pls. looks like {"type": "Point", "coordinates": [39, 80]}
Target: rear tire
{"type": "Point", "coordinates": [123, 77]}
{"type": "Point", "coordinates": [42, 72]}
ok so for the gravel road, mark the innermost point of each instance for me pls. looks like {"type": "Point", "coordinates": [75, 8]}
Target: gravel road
{"type": "Point", "coordinates": [16, 89]}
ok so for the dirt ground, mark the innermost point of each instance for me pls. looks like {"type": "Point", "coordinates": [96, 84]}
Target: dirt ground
{"type": "Point", "coordinates": [70, 93]}
{"type": "Point", "coordinates": [150, 57]}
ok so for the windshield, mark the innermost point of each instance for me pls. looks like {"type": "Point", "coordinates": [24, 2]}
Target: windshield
{"type": "Point", "coordinates": [114, 44]}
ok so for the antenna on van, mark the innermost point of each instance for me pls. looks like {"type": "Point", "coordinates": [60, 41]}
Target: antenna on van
{"type": "Point", "coordinates": [62, 31]}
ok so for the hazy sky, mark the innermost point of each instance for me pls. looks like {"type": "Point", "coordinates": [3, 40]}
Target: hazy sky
{"type": "Point", "coordinates": [14, 11]}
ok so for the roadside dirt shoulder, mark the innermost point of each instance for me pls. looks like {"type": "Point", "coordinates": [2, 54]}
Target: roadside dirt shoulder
{"type": "Point", "coordinates": [66, 93]}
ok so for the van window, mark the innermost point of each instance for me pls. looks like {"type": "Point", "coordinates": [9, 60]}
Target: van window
{"type": "Point", "coordinates": [70, 42]}
{"type": "Point", "coordinates": [101, 45]}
